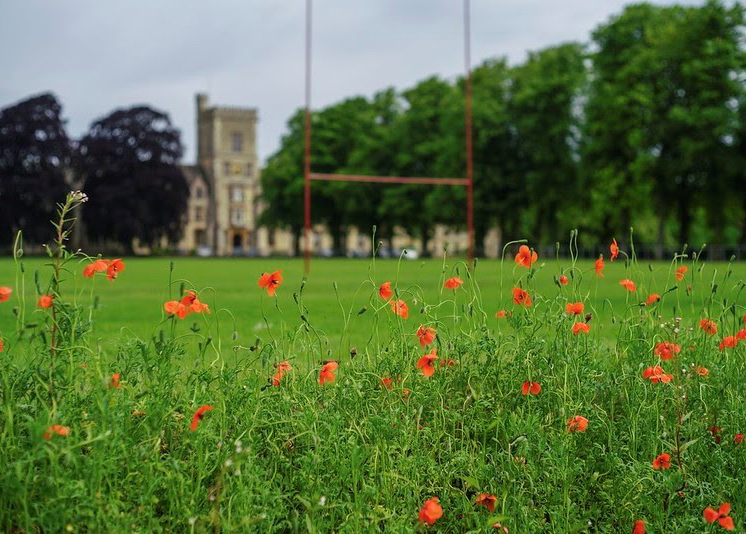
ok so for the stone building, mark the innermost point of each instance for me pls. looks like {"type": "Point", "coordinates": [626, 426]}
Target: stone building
{"type": "Point", "coordinates": [224, 185]}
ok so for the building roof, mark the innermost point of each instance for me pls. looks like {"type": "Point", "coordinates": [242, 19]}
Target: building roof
{"type": "Point", "coordinates": [194, 173]}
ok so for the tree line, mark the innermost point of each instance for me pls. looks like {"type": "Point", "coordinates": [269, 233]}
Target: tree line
{"type": "Point", "coordinates": [126, 163]}
{"type": "Point", "coordinates": [644, 126]}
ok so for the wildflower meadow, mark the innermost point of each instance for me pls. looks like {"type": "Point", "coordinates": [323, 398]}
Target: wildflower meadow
{"type": "Point", "coordinates": [531, 395]}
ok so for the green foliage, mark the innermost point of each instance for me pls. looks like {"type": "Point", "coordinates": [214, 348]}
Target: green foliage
{"type": "Point", "coordinates": [660, 117]}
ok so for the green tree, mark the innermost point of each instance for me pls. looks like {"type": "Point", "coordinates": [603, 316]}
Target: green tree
{"type": "Point", "coordinates": [282, 183]}
{"type": "Point", "coordinates": [499, 189]}
{"type": "Point", "coordinates": [544, 100]}
{"type": "Point", "coordinates": [661, 119]}
{"type": "Point", "coordinates": [339, 130]}
{"type": "Point", "coordinates": [418, 140]}
{"type": "Point", "coordinates": [617, 114]}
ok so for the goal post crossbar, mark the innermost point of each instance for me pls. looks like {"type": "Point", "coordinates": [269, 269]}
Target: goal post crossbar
{"type": "Point", "coordinates": [364, 178]}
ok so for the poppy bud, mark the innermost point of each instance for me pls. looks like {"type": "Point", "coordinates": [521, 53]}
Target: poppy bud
{"type": "Point", "coordinates": [588, 317]}
{"type": "Point", "coordinates": [353, 352]}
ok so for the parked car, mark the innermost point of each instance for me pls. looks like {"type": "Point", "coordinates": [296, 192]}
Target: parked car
{"type": "Point", "coordinates": [204, 251]}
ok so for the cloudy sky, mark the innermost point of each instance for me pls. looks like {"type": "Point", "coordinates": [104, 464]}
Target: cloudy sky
{"type": "Point", "coordinates": [98, 55]}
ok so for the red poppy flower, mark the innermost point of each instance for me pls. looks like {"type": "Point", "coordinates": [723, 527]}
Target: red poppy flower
{"type": "Point", "coordinates": [721, 515]}
{"type": "Point", "coordinates": [702, 371]}
{"type": "Point", "coordinates": [716, 431]}
{"type": "Point", "coordinates": [425, 364]}
{"type": "Point", "coordinates": [709, 326]}
{"type": "Point", "coordinates": [486, 500]}
{"type": "Point", "coordinates": [114, 268]}
{"type": "Point", "coordinates": [198, 415]}
{"type": "Point", "coordinates": [657, 374]}
{"type": "Point", "coordinates": [45, 302]}
{"type": "Point", "coordinates": [448, 362]}
{"type": "Point", "coordinates": [59, 430]}
{"type": "Point", "coordinates": [563, 280]}
{"type": "Point", "coordinates": [741, 334]}
{"type": "Point", "coordinates": [5, 292]}
{"type": "Point", "coordinates": [270, 282]}
{"type": "Point", "coordinates": [385, 291]}
{"type": "Point", "coordinates": [577, 423]}
{"type": "Point", "coordinates": [614, 248]}
{"type": "Point", "coordinates": [280, 371]}
{"type": "Point", "coordinates": [666, 350]}
{"type": "Point", "coordinates": [534, 388]}
{"type": "Point", "coordinates": [431, 511]}
{"type": "Point", "coordinates": [115, 380]}
{"type": "Point", "coordinates": [680, 272]}
{"type": "Point", "coordinates": [400, 308]}
{"type": "Point", "coordinates": [728, 342]}
{"type": "Point", "coordinates": [628, 284]}
{"type": "Point", "coordinates": [426, 335]}
{"type": "Point", "coordinates": [2, 347]}
{"type": "Point", "coordinates": [327, 372]}
{"type": "Point", "coordinates": [526, 257]}
{"type": "Point", "coordinates": [738, 439]}
{"type": "Point", "coordinates": [521, 297]}
{"type": "Point", "coordinates": [98, 266]}
{"type": "Point", "coordinates": [453, 283]}
{"type": "Point", "coordinates": [639, 527]}
{"type": "Point", "coordinates": [193, 304]}
{"type": "Point", "coordinates": [576, 308]}
{"type": "Point", "coordinates": [662, 461]}
{"type": "Point", "coordinates": [600, 266]}
{"type": "Point", "coordinates": [174, 307]}
{"type": "Point", "coordinates": [501, 314]}
{"type": "Point", "coordinates": [387, 382]}
{"type": "Point", "coordinates": [652, 299]}
{"type": "Point", "coordinates": [581, 327]}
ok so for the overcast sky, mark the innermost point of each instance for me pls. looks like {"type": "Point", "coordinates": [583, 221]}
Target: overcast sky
{"type": "Point", "coordinates": [98, 55]}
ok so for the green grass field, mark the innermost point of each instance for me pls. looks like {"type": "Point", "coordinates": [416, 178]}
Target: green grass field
{"type": "Point", "coordinates": [337, 289]}
{"type": "Point", "coordinates": [133, 422]}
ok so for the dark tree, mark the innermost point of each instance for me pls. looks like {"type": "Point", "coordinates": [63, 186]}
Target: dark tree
{"type": "Point", "coordinates": [34, 154]}
{"type": "Point", "coordinates": [128, 162]}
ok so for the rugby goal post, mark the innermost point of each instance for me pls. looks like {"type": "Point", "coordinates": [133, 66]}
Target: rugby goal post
{"type": "Point", "coordinates": [310, 176]}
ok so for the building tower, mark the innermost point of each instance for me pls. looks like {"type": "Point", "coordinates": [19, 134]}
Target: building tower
{"type": "Point", "coordinates": [226, 155]}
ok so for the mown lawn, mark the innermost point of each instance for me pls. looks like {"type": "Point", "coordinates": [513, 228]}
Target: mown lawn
{"type": "Point", "coordinates": [338, 289]}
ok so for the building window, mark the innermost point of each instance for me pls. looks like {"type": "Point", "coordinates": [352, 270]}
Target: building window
{"type": "Point", "coordinates": [226, 168]}
{"type": "Point", "coordinates": [237, 216]}
{"type": "Point", "coordinates": [199, 214]}
{"type": "Point", "coordinates": [199, 192]}
{"type": "Point", "coordinates": [271, 237]}
{"type": "Point", "coordinates": [249, 169]}
{"type": "Point", "coordinates": [200, 238]}
{"type": "Point", "coordinates": [237, 193]}
{"type": "Point", "coordinates": [237, 142]}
